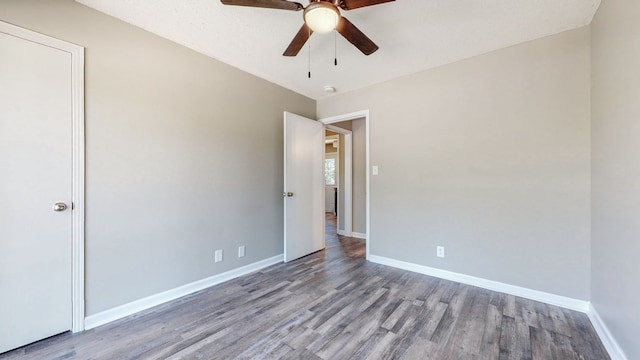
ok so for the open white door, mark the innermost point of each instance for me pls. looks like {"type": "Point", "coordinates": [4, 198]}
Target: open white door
{"type": "Point", "coordinates": [303, 186]}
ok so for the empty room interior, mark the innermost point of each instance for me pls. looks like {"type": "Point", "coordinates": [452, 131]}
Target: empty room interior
{"type": "Point", "coordinates": [487, 189]}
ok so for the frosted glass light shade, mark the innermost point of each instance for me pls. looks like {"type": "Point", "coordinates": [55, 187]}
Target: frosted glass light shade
{"type": "Point", "coordinates": [321, 17]}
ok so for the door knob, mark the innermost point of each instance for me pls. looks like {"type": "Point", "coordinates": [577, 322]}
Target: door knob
{"type": "Point", "coordinates": [59, 206]}
{"type": "Point", "coordinates": [287, 194]}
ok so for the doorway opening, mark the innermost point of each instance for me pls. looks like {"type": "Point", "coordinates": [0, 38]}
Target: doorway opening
{"type": "Point", "coordinates": [338, 182]}
{"type": "Point", "coordinates": [352, 200]}
{"type": "Point", "coordinates": [332, 184]}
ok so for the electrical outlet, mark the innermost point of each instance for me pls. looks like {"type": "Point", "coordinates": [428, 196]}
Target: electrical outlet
{"type": "Point", "coordinates": [440, 251]}
{"type": "Point", "coordinates": [218, 256]}
{"type": "Point", "coordinates": [241, 251]}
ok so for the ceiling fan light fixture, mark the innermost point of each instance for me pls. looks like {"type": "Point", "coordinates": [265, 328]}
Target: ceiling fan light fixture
{"type": "Point", "coordinates": [322, 17]}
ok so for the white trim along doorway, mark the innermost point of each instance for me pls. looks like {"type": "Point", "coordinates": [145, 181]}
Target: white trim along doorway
{"type": "Point", "coordinates": [348, 221]}
{"type": "Point", "coordinates": [78, 155]}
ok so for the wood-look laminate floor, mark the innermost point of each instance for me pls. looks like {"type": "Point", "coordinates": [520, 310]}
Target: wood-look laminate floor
{"type": "Point", "coordinates": [335, 305]}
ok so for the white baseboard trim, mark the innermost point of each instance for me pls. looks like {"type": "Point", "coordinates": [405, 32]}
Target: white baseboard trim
{"type": "Point", "coordinates": [569, 303]}
{"type": "Point", "coordinates": [612, 346]}
{"type": "Point", "coordinates": [356, 235]}
{"type": "Point", "coordinates": [609, 342]}
{"type": "Point", "coordinates": [131, 308]}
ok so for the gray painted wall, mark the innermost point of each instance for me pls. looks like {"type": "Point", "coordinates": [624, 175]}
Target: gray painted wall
{"type": "Point", "coordinates": [616, 171]}
{"type": "Point", "coordinates": [341, 182]}
{"type": "Point", "coordinates": [174, 144]}
{"type": "Point", "coordinates": [359, 187]}
{"type": "Point", "coordinates": [489, 157]}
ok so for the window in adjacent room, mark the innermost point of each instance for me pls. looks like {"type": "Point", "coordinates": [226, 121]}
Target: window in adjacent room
{"type": "Point", "coordinates": [330, 170]}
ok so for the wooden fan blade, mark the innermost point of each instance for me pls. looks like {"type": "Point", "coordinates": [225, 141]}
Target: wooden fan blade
{"type": "Point", "coordinates": [354, 4]}
{"type": "Point", "coordinates": [356, 37]}
{"type": "Point", "coordinates": [270, 4]}
{"type": "Point", "coordinates": [298, 41]}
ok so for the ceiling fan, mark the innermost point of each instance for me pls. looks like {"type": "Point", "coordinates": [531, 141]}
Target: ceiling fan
{"type": "Point", "coordinates": [321, 16]}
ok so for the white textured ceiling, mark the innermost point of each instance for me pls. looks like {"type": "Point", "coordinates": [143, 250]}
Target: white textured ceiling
{"type": "Point", "coordinates": [413, 35]}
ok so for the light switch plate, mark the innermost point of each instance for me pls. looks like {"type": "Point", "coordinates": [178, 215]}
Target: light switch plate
{"type": "Point", "coordinates": [218, 256]}
{"type": "Point", "coordinates": [374, 169]}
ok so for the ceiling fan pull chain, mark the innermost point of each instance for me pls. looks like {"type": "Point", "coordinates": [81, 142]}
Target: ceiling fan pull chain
{"type": "Point", "coordinates": [335, 48]}
{"type": "Point", "coordinates": [309, 74]}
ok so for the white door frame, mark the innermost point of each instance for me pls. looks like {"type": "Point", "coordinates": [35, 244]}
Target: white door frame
{"type": "Point", "coordinates": [345, 192]}
{"type": "Point", "coordinates": [354, 116]}
{"type": "Point", "coordinates": [77, 89]}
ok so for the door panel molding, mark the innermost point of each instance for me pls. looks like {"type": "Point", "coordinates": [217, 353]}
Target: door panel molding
{"type": "Point", "coordinates": [78, 176]}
